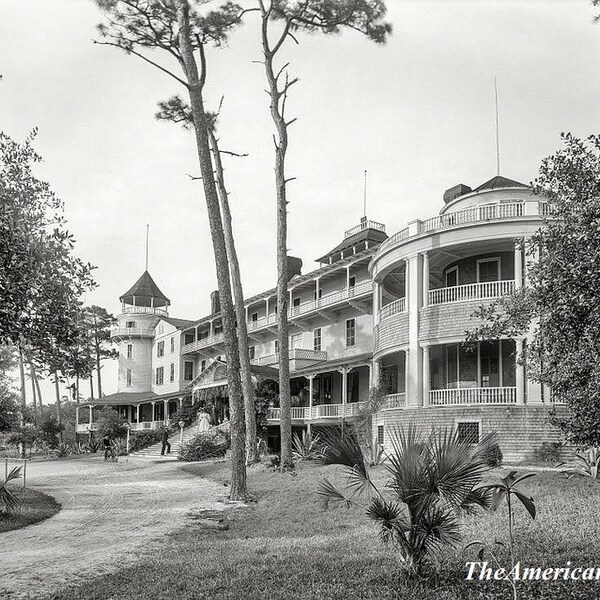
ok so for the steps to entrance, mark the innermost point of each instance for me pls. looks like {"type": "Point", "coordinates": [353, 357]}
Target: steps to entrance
{"type": "Point", "coordinates": [174, 439]}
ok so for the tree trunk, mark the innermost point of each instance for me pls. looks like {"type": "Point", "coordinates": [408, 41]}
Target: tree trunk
{"type": "Point", "coordinates": [240, 311]}
{"type": "Point", "coordinates": [91, 386]}
{"type": "Point", "coordinates": [236, 406]}
{"type": "Point", "coordinates": [77, 388]}
{"type": "Point", "coordinates": [58, 406]}
{"type": "Point", "coordinates": [23, 391]}
{"type": "Point", "coordinates": [33, 392]}
{"type": "Point", "coordinates": [281, 143]}
{"type": "Point", "coordinates": [37, 387]}
{"type": "Point", "coordinates": [97, 351]}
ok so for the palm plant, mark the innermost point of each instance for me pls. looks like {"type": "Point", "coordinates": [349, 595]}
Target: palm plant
{"type": "Point", "coordinates": [8, 501]}
{"type": "Point", "coordinates": [432, 479]}
{"type": "Point", "coordinates": [586, 464]}
{"type": "Point", "coordinates": [306, 447]}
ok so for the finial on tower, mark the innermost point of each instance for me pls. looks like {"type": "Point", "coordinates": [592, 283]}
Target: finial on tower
{"type": "Point", "coordinates": [497, 128]}
{"type": "Point", "coordinates": [147, 234]}
{"type": "Point", "coordinates": [365, 197]}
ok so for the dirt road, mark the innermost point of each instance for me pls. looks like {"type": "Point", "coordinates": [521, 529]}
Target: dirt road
{"type": "Point", "coordinates": [111, 514]}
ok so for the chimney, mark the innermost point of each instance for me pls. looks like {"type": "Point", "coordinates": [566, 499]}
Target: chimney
{"type": "Point", "coordinates": [215, 303]}
{"type": "Point", "coordinates": [455, 192]}
{"type": "Point", "coordinates": [294, 266]}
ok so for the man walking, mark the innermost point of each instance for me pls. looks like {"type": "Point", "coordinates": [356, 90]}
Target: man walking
{"type": "Point", "coordinates": [107, 447]}
{"type": "Point", "coordinates": [165, 442]}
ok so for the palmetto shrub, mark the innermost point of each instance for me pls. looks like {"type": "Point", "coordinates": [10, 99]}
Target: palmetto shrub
{"type": "Point", "coordinates": [306, 447]}
{"type": "Point", "coordinates": [431, 480]}
{"type": "Point", "coordinates": [8, 501]}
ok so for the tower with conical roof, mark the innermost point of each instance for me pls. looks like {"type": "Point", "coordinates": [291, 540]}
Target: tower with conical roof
{"type": "Point", "coordinates": [142, 306]}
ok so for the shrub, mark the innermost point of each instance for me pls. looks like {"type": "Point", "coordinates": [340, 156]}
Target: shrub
{"type": "Point", "coordinates": [548, 452]}
{"type": "Point", "coordinates": [61, 450]}
{"type": "Point", "coordinates": [92, 446]}
{"type": "Point", "coordinates": [493, 456]}
{"type": "Point", "coordinates": [8, 501]}
{"type": "Point", "coordinates": [187, 414]}
{"type": "Point", "coordinates": [119, 446]}
{"type": "Point", "coordinates": [586, 464]}
{"type": "Point", "coordinates": [306, 447]}
{"type": "Point", "coordinates": [110, 423]}
{"type": "Point", "coordinates": [142, 439]}
{"type": "Point", "coordinates": [212, 443]}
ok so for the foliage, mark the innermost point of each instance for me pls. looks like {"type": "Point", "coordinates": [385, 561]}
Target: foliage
{"type": "Point", "coordinates": [212, 443]}
{"type": "Point", "coordinates": [110, 423]}
{"type": "Point", "coordinates": [8, 501]}
{"type": "Point", "coordinates": [431, 481]}
{"type": "Point", "coordinates": [62, 450]}
{"type": "Point", "coordinates": [144, 438]}
{"type": "Point", "coordinates": [586, 464]}
{"type": "Point", "coordinates": [9, 410]}
{"type": "Point", "coordinates": [119, 446]}
{"type": "Point", "coordinates": [363, 423]}
{"type": "Point", "coordinates": [493, 457]}
{"type": "Point", "coordinates": [92, 446]}
{"type": "Point", "coordinates": [547, 452]}
{"type": "Point", "coordinates": [50, 429]}
{"type": "Point", "coordinates": [187, 414]}
{"type": "Point", "coordinates": [79, 448]}
{"type": "Point", "coordinates": [41, 280]}
{"type": "Point", "coordinates": [24, 436]}
{"type": "Point", "coordinates": [306, 447]}
{"type": "Point", "coordinates": [266, 394]}
{"type": "Point", "coordinates": [560, 304]}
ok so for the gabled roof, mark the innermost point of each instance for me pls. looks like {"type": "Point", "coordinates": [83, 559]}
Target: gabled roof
{"type": "Point", "coordinates": [179, 323]}
{"type": "Point", "coordinates": [119, 398]}
{"type": "Point", "coordinates": [499, 182]}
{"type": "Point", "coordinates": [146, 293]}
{"type": "Point", "coordinates": [373, 236]}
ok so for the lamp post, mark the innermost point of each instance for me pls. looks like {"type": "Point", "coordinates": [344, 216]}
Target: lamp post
{"type": "Point", "coordinates": [181, 425]}
{"type": "Point", "coordinates": [127, 426]}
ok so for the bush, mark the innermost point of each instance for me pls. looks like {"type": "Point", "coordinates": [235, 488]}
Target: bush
{"type": "Point", "coordinates": [548, 452]}
{"type": "Point", "coordinates": [493, 457]}
{"type": "Point", "coordinates": [61, 450]}
{"type": "Point", "coordinates": [119, 446]}
{"type": "Point", "coordinates": [187, 414]}
{"type": "Point", "coordinates": [142, 439]}
{"type": "Point", "coordinates": [212, 443]}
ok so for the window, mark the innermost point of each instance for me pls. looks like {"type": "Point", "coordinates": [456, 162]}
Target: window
{"type": "Point", "coordinates": [218, 329]}
{"type": "Point", "coordinates": [188, 370]}
{"type": "Point", "coordinates": [468, 432]}
{"type": "Point", "coordinates": [218, 358]}
{"type": "Point", "coordinates": [488, 269]}
{"type": "Point", "coordinates": [129, 350]}
{"type": "Point", "coordinates": [380, 437]}
{"type": "Point", "coordinates": [489, 364]}
{"type": "Point", "coordinates": [296, 340]}
{"type": "Point", "coordinates": [254, 317]}
{"type": "Point", "coordinates": [161, 328]}
{"type": "Point", "coordinates": [130, 324]}
{"type": "Point", "coordinates": [296, 302]}
{"type": "Point", "coordinates": [315, 294]}
{"type": "Point", "coordinates": [172, 345]}
{"type": "Point", "coordinates": [188, 338]}
{"type": "Point", "coordinates": [129, 377]}
{"type": "Point", "coordinates": [203, 335]}
{"type": "Point", "coordinates": [203, 365]}
{"type": "Point", "coordinates": [160, 375]}
{"type": "Point", "coordinates": [352, 282]}
{"type": "Point", "coordinates": [350, 333]}
{"type": "Point", "coordinates": [352, 386]}
{"type": "Point", "coordinates": [317, 339]}
{"type": "Point", "coordinates": [389, 378]}
{"type": "Point", "coordinates": [252, 352]}
{"type": "Point", "coordinates": [276, 346]}
{"type": "Point", "coordinates": [452, 277]}
{"type": "Point", "coordinates": [160, 349]}
{"type": "Point", "coordinates": [172, 372]}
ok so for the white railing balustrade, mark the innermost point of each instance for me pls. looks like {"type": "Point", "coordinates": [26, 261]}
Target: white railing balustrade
{"type": "Point", "coordinates": [364, 225]}
{"type": "Point", "coordinates": [147, 310]}
{"type": "Point", "coordinates": [366, 287]}
{"type": "Point", "coordinates": [393, 308]}
{"type": "Point", "coordinates": [322, 411]}
{"type": "Point", "coordinates": [475, 395]}
{"type": "Point", "coordinates": [471, 291]}
{"type": "Point", "coordinates": [395, 401]}
{"type": "Point", "coordinates": [203, 343]}
{"type": "Point", "coordinates": [131, 332]}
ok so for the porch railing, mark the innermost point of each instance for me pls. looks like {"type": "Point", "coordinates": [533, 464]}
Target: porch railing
{"type": "Point", "coordinates": [476, 395]}
{"type": "Point", "coordinates": [395, 401]}
{"type": "Point", "coordinates": [393, 308]}
{"type": "Point", "coordinates": [322, 411]}
{"type": "Point", "coordinates": [131, 332]}
{"type": "Point", "coordinates": [364, 225]}
{"type": "Point", "coordinates": [360, 289]}
{"type": "Point", "coordinates": [145, 310]}
{"type": "Point", "coordinates": [471, 291]}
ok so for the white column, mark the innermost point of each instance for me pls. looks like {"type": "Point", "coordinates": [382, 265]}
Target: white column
{"type": "Point", "coordinates": [347, 277]}
{"type": "Point", "coordinates": [317, 291]}
{"type": "Point", "coordinates": [376, 301]}
{"type": "Point", "coordinates": [310, 400]}
{"type": "Point", "coordinates": [425, 277]}
{"type": "Point", "coordinates": [77, 415]}
{"type": "Point", "coordinates": [344, 372]}
{"type": "Point", "coordinates": [91, 415]}
{"type": "Point", "coordinates": [180, 403]}
{"type": "Point", "coordinates": [137, 408]}
{"type": "Point", "coordinates": [166, 411]}
{"type": "Point", "coordinates": [153, 413]}
{"type": "Point", "coordinates": [406, 375]}
{"type": "Point", "coordinates": [414, 395]}
{"type": "Point", "coordinates": [426, 381]}
{"type": "Point", "coordinates": [520, 373]}
{"type": "Point", "coordinates": [518, 265]}
{"type": "Point", "coordinates": [375, 374]}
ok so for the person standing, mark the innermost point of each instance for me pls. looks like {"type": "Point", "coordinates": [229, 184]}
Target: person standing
{"type": "Point", "coordinates": [165, 442]}
{"type": "Point", "coordinates": [107, 447]}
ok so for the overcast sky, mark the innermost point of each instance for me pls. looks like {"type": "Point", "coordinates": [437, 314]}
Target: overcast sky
{"type": "Point", "coordinates": [417, 113]}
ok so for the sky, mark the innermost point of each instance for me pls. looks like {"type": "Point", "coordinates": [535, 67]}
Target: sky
{"type": "Point", "coordinates": [417, 113]}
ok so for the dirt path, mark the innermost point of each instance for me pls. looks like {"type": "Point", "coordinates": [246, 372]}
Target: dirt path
{"type": "Point", "coordinates": [111, 513]}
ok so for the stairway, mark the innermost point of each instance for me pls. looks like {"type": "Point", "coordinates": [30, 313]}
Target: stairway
{"type": "Point", "coordinates": [154, 450]}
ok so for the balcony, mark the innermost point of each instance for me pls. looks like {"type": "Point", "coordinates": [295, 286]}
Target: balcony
{"type": "Point", "coordinates": [128, 332]}
{"type": "Point", "coordinates": [394, 401]}
{"type": "Point", "coordinates": [393, 308]}
{"type": "Point", "coordinates": [211, 340]}
{"type": "Point", "coordinates": [364, 225]}
{"type": "Point", "coordinates": [144, 310]}
{"type": "Point", "coordinates": [362, 289]}
{"type": "Point", "coordinates": [475, 395]}
{"type": "Point", "coordinates": [322, 411]}
{"type": "Point", "coordinates": [476, 214]}
{"type": "Point", "coordinates": [471, 291]}
{"type": "Point", "coordinates": [295, 354]}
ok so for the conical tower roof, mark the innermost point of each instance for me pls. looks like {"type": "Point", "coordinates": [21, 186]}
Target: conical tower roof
{"type": "Point", "coordinates": [145, 292]}
{"type": "Point", "coordinates": [499, 182]}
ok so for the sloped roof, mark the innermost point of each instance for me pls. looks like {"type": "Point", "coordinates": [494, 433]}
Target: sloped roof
{"type": "Point", "coordinates": [371, 235]}
{"type": "Point", "coordinates": [145, 289]}
{"type": "Point", "coordinates": [499, 182]}
{"type": "Point", "coordinates": [179, 323]}
{"type": "Point", "coordinates": [120, 398]}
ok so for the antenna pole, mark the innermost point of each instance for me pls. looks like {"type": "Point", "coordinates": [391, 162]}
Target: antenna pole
{"type": "Point", "coordinates": [147, 234]}
{"type": "Point", "coordinates": [497, 128]}
{"type": "Point", "coordinates": [365, 196]}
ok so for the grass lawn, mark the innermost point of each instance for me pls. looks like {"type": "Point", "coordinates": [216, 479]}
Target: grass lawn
{"type": "Point", "coordinates": [35, 506]}
{"type": "Point", "coordinates": [288, 546]}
